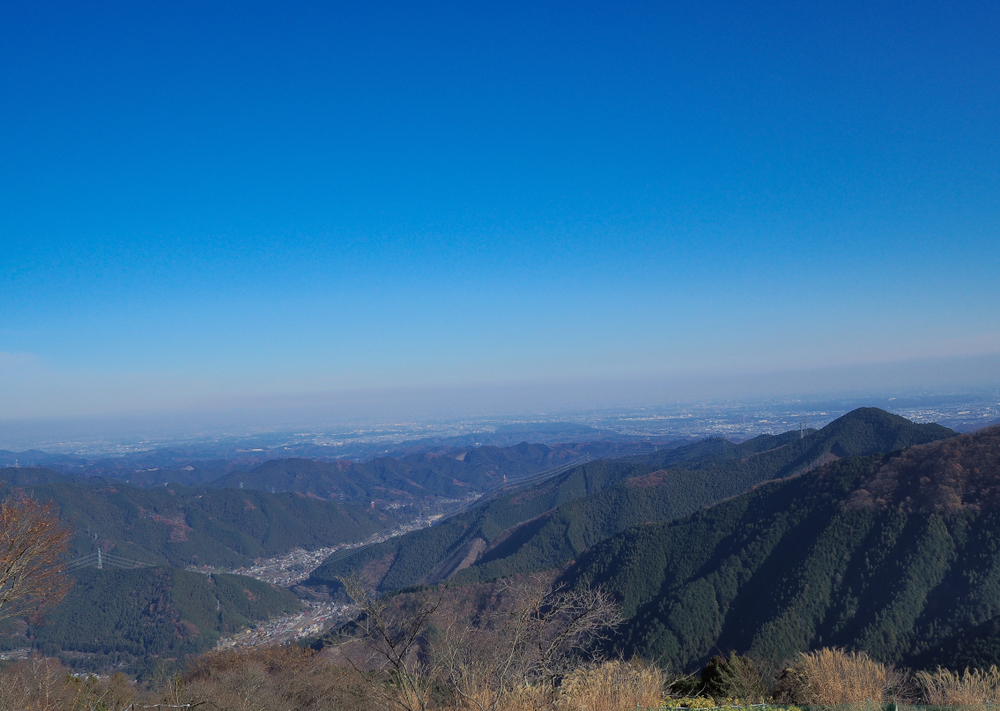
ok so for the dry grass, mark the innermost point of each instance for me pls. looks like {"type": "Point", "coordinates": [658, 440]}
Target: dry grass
{"type": "Point", "coordinates": [526, 698]}
{"type": "Point", "coordinates": [834, 676]}
{"type": "Point", "coordinates": [612, 686]}
{"type": "Point", "coordinates": [480, 695]}
{"type": "Point", "coordinates": [948, 688]}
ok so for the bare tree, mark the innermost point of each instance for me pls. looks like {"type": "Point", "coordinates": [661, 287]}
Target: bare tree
{"type": "Point", "coordinates": [530, 636]}
{"type": "Point", "coordinates": [383, 645]}
{"type": "Point", "coordinates": [527, 632]}
{"type": "Point", "coordinates": [33, 541]}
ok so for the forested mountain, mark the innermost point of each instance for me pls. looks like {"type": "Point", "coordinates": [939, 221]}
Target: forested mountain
{"type": "Point", "coordinates": [549, 523]}
{"type": "Point", "coordinates": [135, 617]}
{"type": "Point", "coordinates": [37, 458]}
{"type": "Point", "coordinates": [897, 555]}
{"type": "Point", "coordinates": [448, 473]}
{"type": "Point", "coordinates": [197, 526]}
{"type": "Point", "coordinates": [29, 476]}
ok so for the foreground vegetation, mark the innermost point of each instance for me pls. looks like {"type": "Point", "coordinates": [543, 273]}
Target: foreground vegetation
{"type": "Point", "coordinates": [292, 678]}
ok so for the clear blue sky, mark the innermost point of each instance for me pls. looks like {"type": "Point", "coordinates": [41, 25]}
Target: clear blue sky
{"type": "Point", "coordinates": [211, 204]}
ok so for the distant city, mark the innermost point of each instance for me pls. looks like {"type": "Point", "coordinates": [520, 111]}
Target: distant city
{"type": "Point", "coordinates": [734, 420]}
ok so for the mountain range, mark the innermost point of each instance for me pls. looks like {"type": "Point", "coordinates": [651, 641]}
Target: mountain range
{"type": "Point", "coordinates": [897, 555]}
{"type": "Point", "coordinates": [543, 525]}
{"type": "Point", "coordinates": [872, 533]}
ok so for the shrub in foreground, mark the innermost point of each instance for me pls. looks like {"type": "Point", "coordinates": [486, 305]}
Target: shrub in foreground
{"type": "Point", "coordinates": [948, 688]}
{"type": "Point", "coordinates": [275, 677]}
{"type": "Point", "coordinates": [612, 686]}
{"type": "Point", "coordinates": [834, 676]}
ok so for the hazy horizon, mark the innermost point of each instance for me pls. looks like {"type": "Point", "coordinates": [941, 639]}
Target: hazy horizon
{"type": "Point", "coordinates": [870, 385]}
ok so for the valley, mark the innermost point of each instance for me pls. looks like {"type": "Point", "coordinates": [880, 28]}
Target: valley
{"type": "Point", "coordinates": [297, 565]}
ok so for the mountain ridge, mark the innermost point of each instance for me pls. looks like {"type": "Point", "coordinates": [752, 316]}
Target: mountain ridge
{"type": "Point", "coordinates": [819, 560]}
{"type": "Point", "coordinates": [591, 502]}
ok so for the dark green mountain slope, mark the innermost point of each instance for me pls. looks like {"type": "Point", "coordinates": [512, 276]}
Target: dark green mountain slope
{"type": "Point", "coordinates": [550, 523]}
{"type": "Point", "coordinates": [128, 616]}
{"type": "Point", "coordinates": [28, 476]}
{"type": "Point", "coordinates": [977, 647]}
{"type": "Point", "coordinates": [413, 558]}
{"type": "Point", "coordinates": [187, 526]}
{"type": "Point", "coordinates": [568, 530]}
{"type": "Point", "coordinates": [898, 556]}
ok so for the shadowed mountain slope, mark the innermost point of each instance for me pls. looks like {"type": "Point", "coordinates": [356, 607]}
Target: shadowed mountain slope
{"type": "Point", "coordinates": [895, 555]}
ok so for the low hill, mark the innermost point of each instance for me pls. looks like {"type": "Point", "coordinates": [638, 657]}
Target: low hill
{"type": "Point", "coordinates": [897, 555]}
{"type": "Point", "coordinates": [198, 526]}
{"type": "Point", "coordinates": [544, 525]}
{"type": "Point", "coordinates": [37, 458]}
{"type": "Point", "coordinates": [29, 476]}
{"type": "Point", "coordinates": [132, 618]}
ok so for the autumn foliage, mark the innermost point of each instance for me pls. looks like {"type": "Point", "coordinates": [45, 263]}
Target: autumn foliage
{"type": "Point", "coordinates": [33, 542]}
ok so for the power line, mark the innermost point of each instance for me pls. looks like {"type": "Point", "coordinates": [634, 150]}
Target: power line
{"type": "Point", "coordinates": [99, 559]}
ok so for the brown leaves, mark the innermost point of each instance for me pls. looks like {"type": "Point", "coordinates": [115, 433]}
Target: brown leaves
{"type": "Point", "coordinates": [33, 543]}
{"type": "Point", "coordinates": [942, 477]}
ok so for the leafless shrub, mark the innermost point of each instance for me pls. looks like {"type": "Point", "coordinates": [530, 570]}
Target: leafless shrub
{"type": "Point", "coordinates": [384, 645]}
{"type": "Point", "coordinates": [527, 638]}
{"type": "Point", "coordinates": [35, 683]}
{"type": "Point", "coordinates": [44, 684]}
{"type": "Point", "coordinates": [269, 678]}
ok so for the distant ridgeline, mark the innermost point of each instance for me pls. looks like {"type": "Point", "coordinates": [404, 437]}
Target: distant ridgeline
{"type": "Point", "coordinates": [554, 443]}
{"type": "Point", "coordinates": [450, 473]}
{"type": "Point", "coordinates": [543, 526]}
{"type": "Point", "coordinates": [897, 555]}
{"type": "Point", "coordinates": [435, 470]}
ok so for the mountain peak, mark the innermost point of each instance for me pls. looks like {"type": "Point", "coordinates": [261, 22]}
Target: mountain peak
{"type": "Point", "coordinates": [868, 430]}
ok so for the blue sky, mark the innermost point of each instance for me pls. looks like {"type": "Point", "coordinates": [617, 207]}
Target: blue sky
{"type": "Point", "coordinates": [208, 205]}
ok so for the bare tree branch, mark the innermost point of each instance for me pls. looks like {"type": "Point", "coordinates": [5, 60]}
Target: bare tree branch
{"type": "Point", "coordinates": [529, 637]}
{"type": "Point", "coordinates": [33, 542]}
{"type": "Point", "coordinates": [391, 635]}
